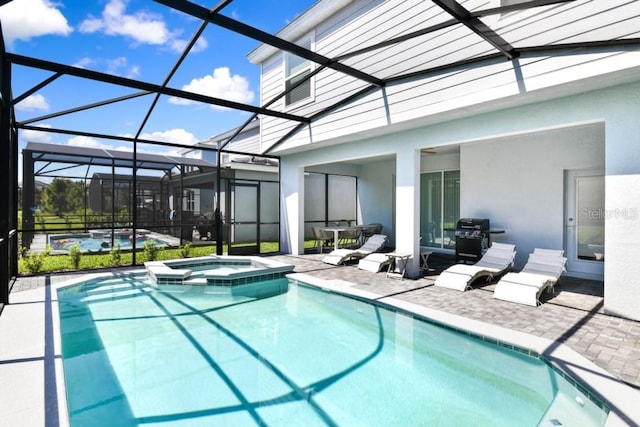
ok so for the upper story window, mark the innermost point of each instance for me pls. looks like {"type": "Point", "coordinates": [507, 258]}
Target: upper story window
{"type": "Point", "coordinates": [296, 70]}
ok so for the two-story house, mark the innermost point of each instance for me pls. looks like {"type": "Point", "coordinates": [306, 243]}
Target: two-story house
{"type": "Point", "coordinates": [527, 116]}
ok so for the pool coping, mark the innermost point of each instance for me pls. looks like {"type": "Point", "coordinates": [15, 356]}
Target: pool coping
{"type": "Point", "coordinates": [38, 396]}
{"type": "Point", "coordinates": [622, 399]}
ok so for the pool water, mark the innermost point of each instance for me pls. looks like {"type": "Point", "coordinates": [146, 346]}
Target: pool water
{"type": "Point", "coordinates": [89, 244]}
{"type": "Point", "coordinates": [282, 353]}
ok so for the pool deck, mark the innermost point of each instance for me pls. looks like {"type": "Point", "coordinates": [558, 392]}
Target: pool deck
{"type": "Point", "coordinates": [31, 386]}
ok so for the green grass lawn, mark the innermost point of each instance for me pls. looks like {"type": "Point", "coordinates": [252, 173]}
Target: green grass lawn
{"type": "Point", "coordinates": [90, 261]}
{"type": "Point", "coordinates": [53, 263]}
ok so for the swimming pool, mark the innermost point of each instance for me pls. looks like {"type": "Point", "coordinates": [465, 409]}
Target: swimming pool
{"type": "Point", "coordinates": [284, 353]}
{"type": "Point", "coordinates": [98, 243]}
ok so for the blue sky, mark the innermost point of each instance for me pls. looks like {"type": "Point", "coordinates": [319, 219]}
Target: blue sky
{"type": "Point", "coordinates": [138, 39]}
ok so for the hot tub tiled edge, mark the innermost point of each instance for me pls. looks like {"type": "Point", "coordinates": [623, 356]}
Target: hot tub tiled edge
{"type": "Point", "coordinates": [179, 271]}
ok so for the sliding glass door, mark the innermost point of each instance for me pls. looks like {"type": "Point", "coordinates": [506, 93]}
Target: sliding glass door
{"type": "Point", "coordinates": [439, 208]}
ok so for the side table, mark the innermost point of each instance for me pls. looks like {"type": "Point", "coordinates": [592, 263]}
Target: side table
{"type": "Point", "coordinates": [424, 257]}
{"type": "Point", "coordinates": [398, 265]}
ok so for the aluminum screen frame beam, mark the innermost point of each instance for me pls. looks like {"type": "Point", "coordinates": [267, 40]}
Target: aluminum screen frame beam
{"type": "Point", "coordinates": [462, 15]}
{"type": "Point", "coordinates": [266, 38]}
{"type": "Point", "coordinates": [144, 86]}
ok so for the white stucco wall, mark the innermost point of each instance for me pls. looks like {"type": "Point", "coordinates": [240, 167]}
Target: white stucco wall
{"type": "Point", "coordinates": [622, 203]}
{"type": "Point", "coordinates": [375, 195]}
{"type": "Point", "coordinates": [518, 182]}
{"type": "Point", "coordinates": [618, 108]}
{"type": "Point", "coordinates": [440, 162]}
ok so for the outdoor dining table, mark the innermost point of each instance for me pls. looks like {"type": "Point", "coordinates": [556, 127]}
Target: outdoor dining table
{"type": "Point", "coordinates": [336, 233]}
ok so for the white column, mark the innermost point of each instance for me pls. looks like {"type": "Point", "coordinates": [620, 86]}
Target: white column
{"type": "Point", "coordinates": [622, 212]}
{"type": "Point", "coordinates": [292, 209]}
{"type": "Point", "coordinates": [407, 228]}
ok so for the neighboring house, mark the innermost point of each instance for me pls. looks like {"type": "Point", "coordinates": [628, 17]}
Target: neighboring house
{"type": "Point", "coordinates": [545, 145]}
{"type": "Point", "coordinates": [248, 186]}
{"type": "Point", "coordinates": [247, 141]}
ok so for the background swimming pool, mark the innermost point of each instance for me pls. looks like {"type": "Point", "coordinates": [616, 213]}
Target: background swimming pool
{"type": "Point", "coordinates": [134, 356]}
{"type": "Point", "coordinates": [90, 244]}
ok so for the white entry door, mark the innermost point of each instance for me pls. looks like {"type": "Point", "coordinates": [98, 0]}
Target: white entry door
{"type": "Point", "coordinates": [584, 223]}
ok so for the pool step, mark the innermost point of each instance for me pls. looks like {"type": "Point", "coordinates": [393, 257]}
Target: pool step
{"type": "Point", "coordinates": [565, 411]}
{"type": "Point", "coordinates": [197, 281]}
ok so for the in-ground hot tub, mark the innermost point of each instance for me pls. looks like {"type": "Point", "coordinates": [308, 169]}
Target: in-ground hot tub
{"type": "Point", "coordinates": [216, 270]}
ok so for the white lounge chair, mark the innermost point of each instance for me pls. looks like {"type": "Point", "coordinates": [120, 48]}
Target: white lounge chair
{"type": "Point", "coordinates": [542, 271]}
{"type": "Point", "coordinates": [371, 245]}
{"type": "Point", "coordinates": [374, 262]}
{"type": "Point", "coordinates": [498, 258]}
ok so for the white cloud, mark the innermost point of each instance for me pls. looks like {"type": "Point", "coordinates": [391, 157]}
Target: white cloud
{"type": "Point", "coordinates": [25, 19]}
{"type": "Point", "coordinates": [178, 45]}
{"type": "Point", "coordinates": [35, 102]}
{"type": "Point", "coordinates": [117, 66]}
{"type": "Point", "coordinates": [120, 66]}
{"type": "Point", "coordinates": [84, 62]}
{"type": "Point", "coordinates": [142, 27]}
{"type": "Point", "coordinates": [91, 25]}
{"type": "Point", "coordinates": [28, 135]}
{"type": "Point", "coordinates": [176, 136]}
{"type": "Point", "coordinates": [220, 84]}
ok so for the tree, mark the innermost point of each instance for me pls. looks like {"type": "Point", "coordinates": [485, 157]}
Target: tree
{"type": "Point", "coordinates": [62, 196]}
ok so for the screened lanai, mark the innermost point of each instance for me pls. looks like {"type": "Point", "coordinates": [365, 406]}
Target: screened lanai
{"type": "Point", "coordinates": [154, 93]}
{"type": "Point", "coordinates": [107, 202]}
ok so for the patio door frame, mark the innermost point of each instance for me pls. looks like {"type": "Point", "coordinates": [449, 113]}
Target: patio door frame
{"type": "Point", "coordinates": [243, 221]}
{"type": "Point", "coordinates": [576, 266]}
